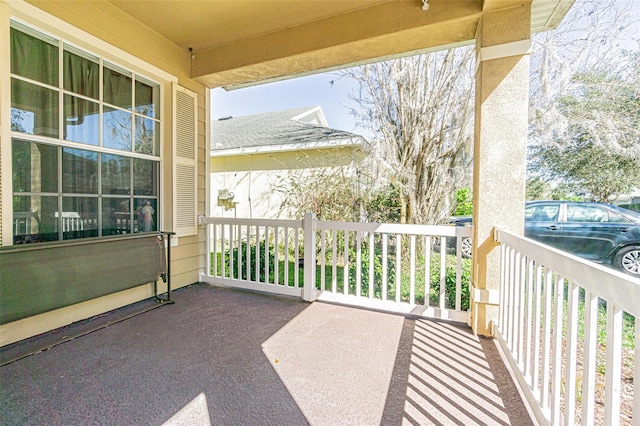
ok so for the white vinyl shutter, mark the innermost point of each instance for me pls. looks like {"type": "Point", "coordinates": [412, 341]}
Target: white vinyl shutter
{"type": "Point", "coordinates": [185, 155]}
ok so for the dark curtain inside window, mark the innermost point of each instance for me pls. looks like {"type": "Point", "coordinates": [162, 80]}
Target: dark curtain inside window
{"type": "Point", "coordinates": [117, 89]}
{"type": "Point", "coordinates": [81, 76]}
{"type": "Point", "coordinates": [34, 58]}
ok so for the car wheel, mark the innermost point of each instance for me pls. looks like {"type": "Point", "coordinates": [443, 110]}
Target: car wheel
{"type": "Point", "coordinates": [467, 248]}
{"type": "Point", "coordinates": [628, 260]}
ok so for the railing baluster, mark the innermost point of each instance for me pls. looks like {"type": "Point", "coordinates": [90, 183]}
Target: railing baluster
{"type": "Point", "coordinates": [570, 355]}
{"type": "Point", "coordinates": [427, 270]}
{"type": "Point", "coordinates": [521, 309]}
{"type": "Point", "coordinates": [613, 366]}
{"type": "Point", "coordinates": [276, 253]}
{"type": "Point", "coordinates": [398, 266]}
{"type": "Point", "coordinates": [207, 260]}
{"type": "Point", "coordinates": [286, 256]}
{"type": "Point", "coordinates": [358, 263]}
{"type": "Point", "coordinates": [589, 358]}
{"type": "Point", "coordinates": [296, 249]}
{"type": "Point", "coordinates": [412, 273]}
{"type": "Point", "coordinates": [239, 252]}
{"type": "Point", "coordinates": [372, 284]}
{"type": "Point", "coordinates": [443, 272]}
{"type": "Point", "coordinates": [231, 240]}
{"type": "Point", "coordinates": [636, 373]}
{"type": "Point", "coordinates": [510, 299]}
{"type": "Point", "coordinates": [266, 255]}
{"type": "Point", "coordinates": [546, 347]}
{"type": "Point", "coordinates": [458, 274]}
{"type": "Point", "coordinates": [556, 366]}
{"type": "Point", "coordinates": [323, 259]}
{"type": "Point", "coordinates": [517, 309]}
{"type": "Point", "coordinates": [214, 245]}
{"type": "Point", "coordinates": [257, 254]}
{"type": "Point", "coordinates": [504, 286]}
{"type": "Point", "coordinates": [334, 263]}
{"type": "Point", "coordinates": [345, 276]}
{"type": "Point", "coordinates": [529, 324]}
{"type": "Point", "coordinates": [248, 257]}
{"type": "Point", "coordinates": [536, 330]}
{"type": "Point", "coordinates": [223, 254]}
{"type": "Point", "coordinates": [384, 267]}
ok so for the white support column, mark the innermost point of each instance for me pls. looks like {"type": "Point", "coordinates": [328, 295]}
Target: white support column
{"type": "Point", "coordinates": [501, 121]}
{"type": "Point", "coordinates": [309, 226]}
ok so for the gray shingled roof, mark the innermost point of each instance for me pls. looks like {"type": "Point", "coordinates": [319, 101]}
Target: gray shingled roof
{"type": "Point", "coordinates": [275, 129]}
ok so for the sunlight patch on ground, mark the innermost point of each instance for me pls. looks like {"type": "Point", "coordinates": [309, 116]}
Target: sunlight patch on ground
{"type": "Point", "coordinates": [195, 413]}
{"type": "Point", "coordinates": [337, 362]}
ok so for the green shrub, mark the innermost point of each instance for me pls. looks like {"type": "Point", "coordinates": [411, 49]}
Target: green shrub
{"type": "Point", "coordinates": [450, 283]}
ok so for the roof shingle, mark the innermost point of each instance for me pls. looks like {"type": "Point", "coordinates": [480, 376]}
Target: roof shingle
{"type": "Point", "coordinates": [275, 129]}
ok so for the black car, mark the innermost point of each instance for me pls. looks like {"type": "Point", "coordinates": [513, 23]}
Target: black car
{"type": "Point", "coordinates": [599, 232]}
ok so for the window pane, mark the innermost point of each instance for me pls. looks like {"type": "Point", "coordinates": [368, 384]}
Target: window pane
{"type": "Point", "coordinates": [147, 99]}
{"type": "Point", "coordinates": [81, 75]}
{"type": "Point", "coordinates": [34, 109]}
{"type": "Point", "coordinates": [35, 167]}
{"type": "Point", "coordinates": [145, 177]}
{"type": "Point", "coordinates": [116, 131]}
{"type": "Point", "coordinates": [116, 174]}
{"type": "Point", "coordinates": [79, 217]}
{"type": "Point", "coordinates": [82, 120]}
{"type": "Point", "coordinates": [34, 219]}
{"type": "Point", "coordinates": [79, 171]}
{"type": "Point", "coordinates": [147, 136]}
{"type": "Point", "coordinates": [146, 215]}
{"type": "Point", "coordinates": [116, 216]}
{"type": "Point", "coordinates": [117, 88]}
{"type": "Point", "coordinates": [34, 58]}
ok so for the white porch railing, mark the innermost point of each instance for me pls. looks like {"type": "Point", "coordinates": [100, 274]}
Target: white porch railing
{"type": "Point", "coordinates": [567, 327]}
{"type": "Point", "coordinates": [402, 268]}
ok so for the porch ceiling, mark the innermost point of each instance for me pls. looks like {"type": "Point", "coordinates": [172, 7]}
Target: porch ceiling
{"type": "Point", "coordinates": [244, 42]}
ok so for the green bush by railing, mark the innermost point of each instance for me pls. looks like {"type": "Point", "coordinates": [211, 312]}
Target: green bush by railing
{"type": "Point", "coordinates": [294, 268]}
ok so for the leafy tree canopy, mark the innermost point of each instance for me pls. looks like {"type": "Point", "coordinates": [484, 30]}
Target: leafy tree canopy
{"type": "Point", "coordinates": [597, 153]}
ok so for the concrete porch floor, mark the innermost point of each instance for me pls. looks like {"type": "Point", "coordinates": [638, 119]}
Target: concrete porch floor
{"type": "Point", "coordinates": [227, 357]}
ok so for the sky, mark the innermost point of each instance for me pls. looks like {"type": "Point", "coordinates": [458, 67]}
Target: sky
{"type": "Point", "coordinates": [325, 90]}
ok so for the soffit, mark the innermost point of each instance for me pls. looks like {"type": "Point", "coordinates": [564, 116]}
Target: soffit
{"type": "Point", "coordinates": [206, 24]}
{"type": "Point", "coordinates": [239, 42]}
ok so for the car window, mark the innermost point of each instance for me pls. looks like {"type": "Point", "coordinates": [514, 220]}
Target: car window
{"type": "Point", "coordinates": [591, 214]}
{"type": "Point", "coordinates": [542, 213]}
{"type": "Point", "coordinates": [615, 217]}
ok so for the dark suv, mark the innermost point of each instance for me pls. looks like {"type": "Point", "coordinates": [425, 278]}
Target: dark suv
{"type": "Point", "coordinates": [599, 232]}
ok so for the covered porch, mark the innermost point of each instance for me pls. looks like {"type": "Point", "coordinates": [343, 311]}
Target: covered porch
{"type": "Point", "coordinates": [226, 355]}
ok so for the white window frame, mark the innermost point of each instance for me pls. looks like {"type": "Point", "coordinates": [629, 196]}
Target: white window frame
{"type": "Point", "coordinates": [33, 17]}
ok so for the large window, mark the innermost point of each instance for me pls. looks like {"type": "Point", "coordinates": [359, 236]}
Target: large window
{"type": "Point", "coordinates": [85, 143]}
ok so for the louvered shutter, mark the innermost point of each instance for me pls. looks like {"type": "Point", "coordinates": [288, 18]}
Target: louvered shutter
{"type": "Point", "coordinates": [185, 155]}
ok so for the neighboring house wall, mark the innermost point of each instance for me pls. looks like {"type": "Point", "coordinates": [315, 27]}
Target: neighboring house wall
{"type": "Point", "coordinates": [106, 31]}
{"type": "Point", "coordinates": [259, 182]}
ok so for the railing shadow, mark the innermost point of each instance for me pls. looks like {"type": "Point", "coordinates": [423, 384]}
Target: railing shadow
{"type": "Point", "coordinates": [446, 375]}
